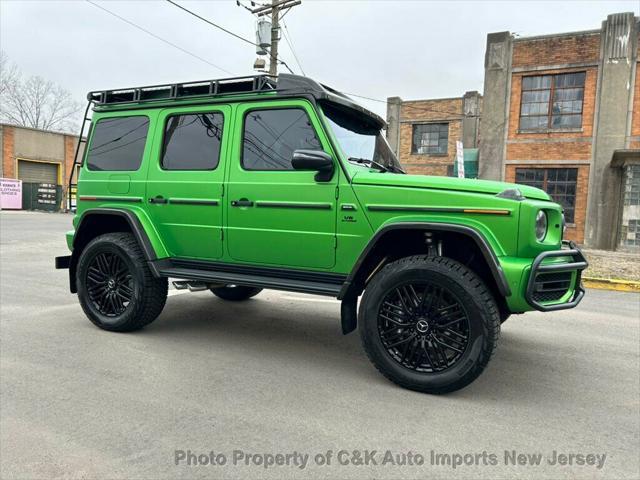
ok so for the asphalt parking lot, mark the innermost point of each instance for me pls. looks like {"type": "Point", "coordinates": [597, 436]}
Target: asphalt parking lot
{"type": "Point", "coordinates": [274, 375]}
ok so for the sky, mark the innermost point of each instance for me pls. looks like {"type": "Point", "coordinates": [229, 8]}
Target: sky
{"type": "Point", "coordinates": [375, 48]}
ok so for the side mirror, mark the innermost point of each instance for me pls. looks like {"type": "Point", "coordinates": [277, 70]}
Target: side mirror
{"type": "Point", "coordinates": [314, 160]}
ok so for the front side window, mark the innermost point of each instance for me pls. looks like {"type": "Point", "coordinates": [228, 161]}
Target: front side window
{"type": "Point", "coordinates": [359, 137]}
{"type": "Point", "coordinates": [552, 101]}
{"type": "Point", "coordinates": [271, 136]}
{"type": "Point", "coordinates": [192, 142]}
{"type": "Point", "coordinates": [430, 139]}
{"type": "Point", "coordinates": [117, 144]}
{"type": "Point", "coordinates": [560, 183]}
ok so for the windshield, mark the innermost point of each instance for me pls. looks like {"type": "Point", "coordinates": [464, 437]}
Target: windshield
{"type": "Point", "coordinates": [359, 138]}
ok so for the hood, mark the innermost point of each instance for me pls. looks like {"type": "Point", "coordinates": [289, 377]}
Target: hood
{"type": "Point", "coordinates": [367, 177]}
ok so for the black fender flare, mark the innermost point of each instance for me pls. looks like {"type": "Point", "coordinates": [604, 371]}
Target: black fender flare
{"type": "Point", "coordinates": [348, 289]}
{"type": "Point", "coordinates": [134, 224]}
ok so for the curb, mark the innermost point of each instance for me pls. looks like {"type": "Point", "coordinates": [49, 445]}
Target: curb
{"type": "Point", "coordinates": [611, 284]}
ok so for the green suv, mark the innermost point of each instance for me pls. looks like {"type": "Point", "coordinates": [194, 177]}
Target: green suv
{"type": "Point", "coordinates": [256, 182]}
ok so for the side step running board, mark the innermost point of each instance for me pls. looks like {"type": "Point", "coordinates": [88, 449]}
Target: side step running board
{"type": "Point", "coordinates": [195, 278]}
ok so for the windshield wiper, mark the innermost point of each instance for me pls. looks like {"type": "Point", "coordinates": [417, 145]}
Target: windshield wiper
{"type": "Point", "coordinates": [395, 169]}
{"type": "Point", "coordinates": [369, 163]}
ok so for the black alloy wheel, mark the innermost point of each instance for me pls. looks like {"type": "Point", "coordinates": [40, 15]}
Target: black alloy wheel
{"type": "Point", "coordinates": [110, 283]}
{"type": "Point", "coordinates": [116, 288]}
{"type": "Point", "coordinates": [428, 323]}
{"type": "Point", "coordinates": [423, 326]}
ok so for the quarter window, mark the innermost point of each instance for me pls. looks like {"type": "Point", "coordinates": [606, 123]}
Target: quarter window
{"type": "Point", "coordinates": [560, 183]}
{"type": "Point", "coordinates": [192, 142]}
{"type": "Point", "coordinates": [552, 101]}
{"type": "Point", "coordinates": [271, 137]}
{"type": "Point", "coordinates": [429, 139]}
{"type": "Point", "coordinates": [118, 143]}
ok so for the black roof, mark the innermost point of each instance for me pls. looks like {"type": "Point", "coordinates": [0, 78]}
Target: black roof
{"type": "Point", "coordinates": [284, 84]}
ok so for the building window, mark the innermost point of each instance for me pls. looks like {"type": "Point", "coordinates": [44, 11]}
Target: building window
{"type": "Point", "coordinates": [552, 101]}
{"type": "Point", "coordinates": [560, 183]}
{"type": "Point", "coordinates": [632, 238]}
{"type": "Point", "coordinates": [632, 186]}
{"type": "Point", "coordinates": [430, 139]}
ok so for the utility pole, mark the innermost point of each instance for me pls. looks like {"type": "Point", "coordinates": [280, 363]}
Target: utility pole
{"type": "Point", "coordinates": [275, 36]}
{"type": "Point", "coordinates": [277, 9]}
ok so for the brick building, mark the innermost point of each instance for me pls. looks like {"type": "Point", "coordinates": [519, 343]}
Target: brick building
{"type": "Point", "coordinates": [423, 133]}
{"type": "Point", "coordinates": [37, 157]}
{"type": "Point", "coordinates": [560, 112]}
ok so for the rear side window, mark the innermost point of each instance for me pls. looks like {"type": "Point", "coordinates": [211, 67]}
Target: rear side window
{"type": "Point", "coordinates": [271, 136]}
{"type": "Point", "coordinates": [192, 142]}
{"type": "Point", "coordinates": [118, 143]}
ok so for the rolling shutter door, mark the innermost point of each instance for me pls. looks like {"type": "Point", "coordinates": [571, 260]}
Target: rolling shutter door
{"type": "Point", "coordinates": [38, 172]}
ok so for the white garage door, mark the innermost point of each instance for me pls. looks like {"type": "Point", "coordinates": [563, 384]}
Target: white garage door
{"type": "Point", "coordinates": [38, 172]}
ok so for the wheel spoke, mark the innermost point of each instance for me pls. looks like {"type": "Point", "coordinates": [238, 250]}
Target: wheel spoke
{"type": "Point", "coordinates": [450, 331]}
{"type": "Point", "coordinates": [97, 272]}
{"type": "Point", "coordinates": [405, 307]}
{"type": "Point", "coordinates": [103, 264]}
{"type": "Point", "coordinates": [396, 322]}
{"type": "Point", "coordinates": [444, 344]}
{"type": "Point", "coordinates": [126, 290]}
{"type": "Point", "coordinates": [400, 342]}
{"type": "Point", "coordinates": [426, 352]}
{"type": "Point", "coordinates": [414, 297]}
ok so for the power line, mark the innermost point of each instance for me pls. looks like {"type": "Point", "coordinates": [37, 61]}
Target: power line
{"type": "Point", "coordinates": [158, 37]}
{"type": "Point", "coordinates": [223, 29]}
{"type": "Point", "coordinates": [286, 37]}
{"type": "Point", "coordinates": [403, 105]}
{"type": "Point", "coordinates": [211, 23]}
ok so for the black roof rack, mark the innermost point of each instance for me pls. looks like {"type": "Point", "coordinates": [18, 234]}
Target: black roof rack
{"type": "Point", "coordinates": [173, 91]}
{"type": "Point", "coordinates": [285, 84]}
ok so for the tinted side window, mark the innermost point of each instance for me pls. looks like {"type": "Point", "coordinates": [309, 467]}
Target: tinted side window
{"type": "Point", "coordinates": [192, 142]}
{"type": "Point", "coordinates": [271, 136]}
{"type": "Point", "coordinates": [118, 143]}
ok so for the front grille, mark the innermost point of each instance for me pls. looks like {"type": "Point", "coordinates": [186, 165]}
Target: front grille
{"type": "Point", "coordinates": [549, 287]}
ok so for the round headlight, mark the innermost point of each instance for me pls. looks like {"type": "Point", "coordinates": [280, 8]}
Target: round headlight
{"type": "Point", "coordinates": [541, 225]}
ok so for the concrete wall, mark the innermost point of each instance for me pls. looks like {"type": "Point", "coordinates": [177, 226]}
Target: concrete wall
{"type": "Point", "coordinates": [38, 145]}
{"type": "Point", "coordinates": [618, 56]}
{"type": "Point", "coordinates": [497, 64]}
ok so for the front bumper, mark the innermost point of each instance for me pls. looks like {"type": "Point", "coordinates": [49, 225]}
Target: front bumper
{"type": "Point", "coordinates": [557, 285]}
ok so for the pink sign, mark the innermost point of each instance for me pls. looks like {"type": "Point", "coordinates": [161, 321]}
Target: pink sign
{"type": "Point", "coordinates": [10, 193]}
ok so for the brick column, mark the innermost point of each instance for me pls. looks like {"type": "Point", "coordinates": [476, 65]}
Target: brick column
{"type": "Point", "coordinates": [8, 158]}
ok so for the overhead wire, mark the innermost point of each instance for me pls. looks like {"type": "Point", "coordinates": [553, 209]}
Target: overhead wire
{"type": "Point", "coordinates": [159, 37]}
{"type": "Point", "coordinates": [289, 41]}
{"type": "Point", "coordinates": [246, 40]}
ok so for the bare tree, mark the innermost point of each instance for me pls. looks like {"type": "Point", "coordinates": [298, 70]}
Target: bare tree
{"type": "Point", "coordinates": [35, 102]}
{"type": "Point", "coordinates": [8, 73]}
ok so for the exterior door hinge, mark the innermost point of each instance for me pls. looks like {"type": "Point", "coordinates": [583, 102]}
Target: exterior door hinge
{"type": "Point", "coordinates": [221, 234]}
{"type": "Point", "coordinates": [222, 190]}
{"type": "Point", "coordinates": [337, 192]}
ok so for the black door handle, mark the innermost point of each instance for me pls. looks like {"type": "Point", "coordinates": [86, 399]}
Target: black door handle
{"type": "Point", "coordinates": [158, 199]}
{"type": "Point", "coordinates": [243, 202]}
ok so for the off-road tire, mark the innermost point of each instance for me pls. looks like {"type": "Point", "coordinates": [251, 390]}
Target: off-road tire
{"type": "Point", "coordinates": [473, 297]}
{"type": "Point", "coordinates": [236, 293]}
{"type": "Point", "coordinates": [149, 293]}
